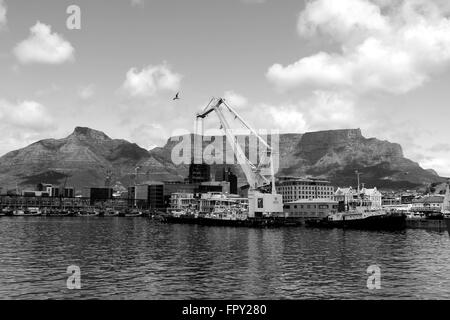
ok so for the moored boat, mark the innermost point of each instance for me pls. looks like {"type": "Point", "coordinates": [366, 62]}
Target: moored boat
{"type": "Point", "coordinates": [361, 213]}
{"type": "Point", "coordinates": [364, 221]}
{"type": "Point", "coordinates": [447, 222]}
{"type": "Point", "coordinates": [32, 212]}
{"type": "Point", "coordinates": [88, 213]}
{"type": "Point", "coordinates": [110, 213]}
{"type": "Point", "coordinates": [6, 212]}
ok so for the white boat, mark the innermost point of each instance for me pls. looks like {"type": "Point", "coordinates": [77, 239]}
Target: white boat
{"type": "Point", "coordinates": [32, 212]}
{"type": "Point", "coordinates": [415, 215]}
{"type": "Point", "coordinates": [223, 207]}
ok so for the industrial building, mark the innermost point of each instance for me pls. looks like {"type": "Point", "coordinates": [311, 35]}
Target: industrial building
{"type": "Point", "coordinates": [294, 188]}
{"type": "Point", "coordinates": [148, 195]}
{"type": "Point", "coordinates": [372, 196]}
{"type": "Point", "coordinates": [99, 194]}
{"type": "Point", "coordinates": [199, 173]}
{"type": "Point", "coordinates": [228, 176]}
{"type": "Point", "coordinates": [307, 209]}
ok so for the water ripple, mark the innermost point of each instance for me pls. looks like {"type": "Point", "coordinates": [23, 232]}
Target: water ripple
{"type": "Point", "coordinates": [139, 259]}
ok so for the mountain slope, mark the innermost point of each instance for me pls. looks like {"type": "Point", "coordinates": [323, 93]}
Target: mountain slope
{"type": "Point", "coordinates": [85, 157]}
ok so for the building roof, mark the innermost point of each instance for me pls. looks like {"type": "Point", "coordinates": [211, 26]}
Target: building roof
{"type": "Point", "coordinates": [309, 201]}
{"type": "Point", "coordinates": [344, 190]}
{"type": "Point", "coordinates": [373, 191]}
{"type": "Point", "coordinates": [430, 199]}
{"type": "Point", "coordinates": [282, 179]}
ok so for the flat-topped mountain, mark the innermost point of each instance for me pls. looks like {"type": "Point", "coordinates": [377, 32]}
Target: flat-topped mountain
{"type": "Point", "coordinates": [87, 157]}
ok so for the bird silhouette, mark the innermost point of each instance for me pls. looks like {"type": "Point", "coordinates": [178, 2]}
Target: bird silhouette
{"type": "Point", "coordinates": [177, 97]}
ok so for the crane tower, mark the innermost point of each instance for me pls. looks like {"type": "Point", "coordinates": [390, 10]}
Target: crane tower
{"type": "Point", "coordinates": [261, 204]}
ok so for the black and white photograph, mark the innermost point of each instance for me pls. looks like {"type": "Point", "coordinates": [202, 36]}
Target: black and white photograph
{"type": "Point", "coordinates": [225, 154]}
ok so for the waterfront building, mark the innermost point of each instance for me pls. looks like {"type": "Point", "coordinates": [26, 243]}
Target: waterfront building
{"type": "Point", "coordinates": [44, 187]}
{"type": "Point", "coordinates": [209, 201]}
{"type": "Point", "coordinates": [307, 209]}
{"type": "Point", "coordinates": [391, 201]}
{"type": "Point", "coordinates": [171, 187]}
{"type": "Point", "coordinates": [429, 204]}
{"type": "Point", "coordinates": [98, 194]}
{"type": "Point", "coordinates": [148, 195]}
{"type": "Point", "coordinates": [446, 205]}
{"type": "Point", "coordinates": [295, 188]}
{"type": "Point", "coordinates": [214, 186]}
{"type": "Point", "coordinates": [345, 195]}
{"type": "Point", "coordinates": [227, 175]}
{"type": "Point", "coordinates": [199, 173]}
{"type": "Point", "coordinates": [48, 190]}
{"type": "Point", "coordinates": [30, 193]}
{"type": "Point", "coordinates": [348, 195]}
{"type": "Point", "coordinates": [183, 201]}
{"type": "Point", "coordinates": [407, 198]}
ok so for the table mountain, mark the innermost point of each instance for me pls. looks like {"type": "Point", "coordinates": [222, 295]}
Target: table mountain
{"type": "Point", "coordinates": [87, 157]}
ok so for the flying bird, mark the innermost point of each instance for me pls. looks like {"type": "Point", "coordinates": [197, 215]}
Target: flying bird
{"type": "Point", "coordinates": [177, 97]}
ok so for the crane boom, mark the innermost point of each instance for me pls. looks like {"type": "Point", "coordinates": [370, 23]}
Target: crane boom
{"type": "Point", "coordinates": [252, 172]}
{"type": "Point", "coordinates": [263, 204]}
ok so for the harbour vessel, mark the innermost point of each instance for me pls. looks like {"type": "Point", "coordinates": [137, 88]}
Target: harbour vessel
{"type": "Point", "coordinates": [362, 220]}
{"type": "Point", "coordinates": [135, 213]}
{"type": "Point", "coordinates": [263, 205]}
{"type": "Point", "coordinates": [30, 212]}
{"type": "Point", "coordinates": [447, 222]}
{"type": "Point", "coordinates": [88, 213]}
{"type": "Point", "coordinates": [109, 213]}
{"type": "Point", "coordinates": [361, 212]}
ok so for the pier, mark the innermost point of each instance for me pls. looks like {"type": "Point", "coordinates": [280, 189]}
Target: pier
{"type": "Point", "coordinates": [56, 203]}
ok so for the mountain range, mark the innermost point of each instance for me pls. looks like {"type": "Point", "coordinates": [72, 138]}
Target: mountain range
{"type": "Point", "coordinates": [88, 157]}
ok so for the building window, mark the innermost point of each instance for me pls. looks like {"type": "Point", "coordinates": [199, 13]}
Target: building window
{"type": "Point", "coordinates": [260, 203]}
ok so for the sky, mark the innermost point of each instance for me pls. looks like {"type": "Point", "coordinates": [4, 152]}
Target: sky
{"type": "Point", "coordinates": [296, 66]}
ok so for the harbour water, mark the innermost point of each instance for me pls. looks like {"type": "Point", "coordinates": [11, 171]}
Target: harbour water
{"type": "Point", "coordinates": [124, 258]}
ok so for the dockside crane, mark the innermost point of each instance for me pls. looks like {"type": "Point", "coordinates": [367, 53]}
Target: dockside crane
{"type": "Point", "coordinates": [261, 204]}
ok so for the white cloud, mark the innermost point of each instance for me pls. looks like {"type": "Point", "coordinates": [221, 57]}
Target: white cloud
{"type": "Point", "coordinates": [150, 81]}
{"type": "Point", "coordinates": [331, 110]}
{"type": "Point", "coordinates": [150, 135]}
{"type": "Point", "coordinates": [2, 14]}
{"type": "Point", "coordinates": [29, 115]}
{"type": "Point", "coordinates": [385, 46]}
{"type": "Point", "coordinates": [341, 19]}
{"type": "Point", "coordinates": [253, 1]}
{"type": "Point", "coordinates": [137, 3]}
{"type": "Point", "coordinates": [235, 100]}
{"type": "Point", "coordinates": [87, 92]}
{"type": "Point", "coordinates": [439, 162]}
{"type": "Point", "coordinates": [43, 46]}
{"type": "Point", "coordinates": [23, 123]}
{"type": "Point", "coordinates": [287, 118]}
{"type": "Point", "coordinates": [322, 110]}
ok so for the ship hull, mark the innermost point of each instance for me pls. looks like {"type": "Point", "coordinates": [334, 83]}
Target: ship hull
{"type": "Point", "coordinates": [382, 222]}
{"type": "Point", "coordinates": [250, 223]}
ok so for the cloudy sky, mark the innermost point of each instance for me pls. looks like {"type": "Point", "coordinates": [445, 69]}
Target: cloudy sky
{"type": "Point", "coordinates": [382, 66]}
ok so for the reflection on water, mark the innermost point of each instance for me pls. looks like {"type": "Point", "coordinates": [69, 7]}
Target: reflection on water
{"type": "Point", "coordinates": [139, 259]}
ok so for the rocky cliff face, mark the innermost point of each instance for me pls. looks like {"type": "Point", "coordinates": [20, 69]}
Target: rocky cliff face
{"type": "Point", "coordinates": [87, 155]}
{"type": "Point", "coordinates": [337, 154]}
